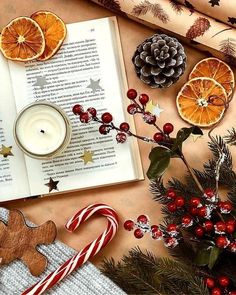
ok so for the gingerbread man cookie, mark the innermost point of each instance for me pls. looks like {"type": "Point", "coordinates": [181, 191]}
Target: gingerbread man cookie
{"type": "Point", "coordinates": [19, 241]}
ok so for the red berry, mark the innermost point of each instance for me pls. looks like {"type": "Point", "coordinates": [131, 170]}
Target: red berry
{"type": "Point", "coordinates": [124, 126]}
{"type": "Point", "coordinates": [149, 118]}
{"type": "Point", "coordinates": [121, 137]}
{"type": "Point", "coordinates": [171, 242]}
{"type": "Point", "coordinates": [193, 211]}
{"type": "Point", "coordinates": [172, 227]}
{"type": "Point", "coordinates": [104, 129]}
{"type": "Point", "coordinates": [225, 207]}
{"type": "Point", "coordinates": [156, 232]}
{"type": "Point", "coordinates": [202, 212]}
{"type": "Point", "coordinates": [85, 117]}
{"type": "Point", "coordinates": [172, 207]}
{"type": "Point", "coordinates": [168, 128]}
{"type": "Point", "coordinates": [194, 201]}
{"type": "Point", "coordinates": [199, 231]}
{"type": "Point", "coordinates": [138, 233]}
{"type": "Point", "coordinates": [216, 291]}
{"type": "Point", "coordinates": [131, 93]}
{"type": "Point", "coordinates": [230, 228]}
{"type": "Point", "coordinates": [132, 109]}
{"type": "Point", "coordinates": [92, 111]}
{"type": "Point", "coordinates": [129, 225]}
{"type": "Point", "coordinates": [224, 281]}
{"type": "Point", "coordinates": [209, 282]}
{"type": "Point", "coordinates": [106, 118]}
{"type": "Point", "coordinates": [222, 242]}
{"type": "Point", "coordinates": [77, 109]}
{"type": "Point", "coordinates": [171, 194]}
{"type": "Point", "coordinates": [142, 219]}
{"type": "Point", "coordinates": [232, 292]}
{"type": "Point", "coordinates": [231, 221]}
{"type": "Point", "coordinates": [143, 98]}
{"type": "Point", "coordinates": [187, 220]}
{"type": "Point", "coordinates": [220, 227]}
{"type": "Point", "coordinates": [209, 193]}
{"type": "Point", "coordinates": [208, 225]}
{"type": "Point", "coordinates": [179, 202]}
{"type": "Point", "coordinates": [158, 137]}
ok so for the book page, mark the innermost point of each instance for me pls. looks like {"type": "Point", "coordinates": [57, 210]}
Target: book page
{"type": "Point", "coordinates": [13, 176]}
{"type": "Point", "coordinates": [84, 71]}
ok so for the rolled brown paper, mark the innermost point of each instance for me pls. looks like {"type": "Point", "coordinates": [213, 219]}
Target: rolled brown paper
{"type": "Point", "coordinates": [223, 10]}
{"type": "Point", "coordinates": [198, 29]}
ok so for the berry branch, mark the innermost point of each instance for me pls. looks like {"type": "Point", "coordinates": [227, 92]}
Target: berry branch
{"type": "Point", "coordinates": [197, 215]}
{"type": "Point", "coordinates": [161, 138]}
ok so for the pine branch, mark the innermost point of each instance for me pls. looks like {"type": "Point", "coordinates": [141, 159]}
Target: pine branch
{"type": "Point", "coordinates": [158, 190]}
{"type": "Point", "coordinates": [156, 9]}
{"type": "Point", "coordinates": [159, 12]}
{"type": "Point", "coordinates": [144, 273]}
{"type": "Point", "coordinates": [228, 47]}
{"type": "Point", "coordinates": [230, 138]}
{"type": "Point", "coordinates": [113, 5]}
{"type": "Point", "coordinates": [217, 144]}
{"type": "Point", "coordinates": [177, 7]}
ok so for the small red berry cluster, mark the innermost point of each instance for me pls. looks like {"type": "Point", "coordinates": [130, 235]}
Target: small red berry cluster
{"type": "Point", "coordinates": [219, 286]}
{"type": "Point", "coordinates": [161, 137]}
{"type": "Point", "coordinates": [142, 226]}
{"type": "Point", "coordinates": [196, 216]}
{"type": "Point", "coordinates": [106, 122]}
{"type": "Point", "coordinates": [197, 212]}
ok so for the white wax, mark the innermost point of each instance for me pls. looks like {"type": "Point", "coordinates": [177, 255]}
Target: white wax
{"type": "Point", "coordinates": [41, 129]}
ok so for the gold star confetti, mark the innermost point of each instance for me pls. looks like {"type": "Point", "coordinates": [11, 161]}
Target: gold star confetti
{"type": "Point", "coordinates": [153, 108]}
{"type": "Point", "coordinates": [195, 137]}
{"type": "Point", "coordinates": [52, 185]}
{"type": "Point", "coordinates": [6, 151]}
{"type": "Point", "coordinates": [87, 156]}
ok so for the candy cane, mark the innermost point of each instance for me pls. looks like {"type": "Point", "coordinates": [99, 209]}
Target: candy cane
{"type": "Point", "coordinates": [89, 251]}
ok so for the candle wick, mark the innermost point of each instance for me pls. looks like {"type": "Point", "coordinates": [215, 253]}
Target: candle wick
{"type": "Point", "coordinates": [42, 131]}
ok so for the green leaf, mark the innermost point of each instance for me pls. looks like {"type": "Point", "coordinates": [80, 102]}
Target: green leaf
{"type": "Point", "coordinates": [183, 134]}
{"type": "Point", "coordinates": [160, 159]}
{"type": "Point", "coordinates": [214, 254]}
{"type": "Point", "coordinates": [207, 256]}
{"type": "Point", "coordinates": [197, 130]}
{"type": "Point", "coordinates": [203, 257]}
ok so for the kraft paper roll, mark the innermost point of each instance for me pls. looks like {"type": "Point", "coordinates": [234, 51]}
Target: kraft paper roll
{"type": "Point", "coordinates": [223, 10]}
{"type": "Point", "coordinates": [200, 30]}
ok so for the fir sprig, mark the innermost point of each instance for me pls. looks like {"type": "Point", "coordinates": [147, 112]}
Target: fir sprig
{"type": "Point", "coordinates": [143, 273]}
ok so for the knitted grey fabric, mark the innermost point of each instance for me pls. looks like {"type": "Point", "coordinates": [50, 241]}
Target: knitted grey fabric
{"type": "Point", "coordinates": [87, 280]}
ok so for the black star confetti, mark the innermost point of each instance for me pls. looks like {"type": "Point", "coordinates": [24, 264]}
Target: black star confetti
{"type": "Point", "coordinates": [214, 2]}
{"type": "Point", "coordinates": [232, 20]}
{"type": "Point", "coordinates": [41, 82]}
{"type": "Point", "coordinates": [52, 185]}
{"type": "Point", "coordinates": [94, 85]}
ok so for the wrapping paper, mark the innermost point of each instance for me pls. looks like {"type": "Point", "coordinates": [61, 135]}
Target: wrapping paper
{"type": "Point", "coordinates": [200, 30]}
{"type": "Point", "coordinates": [223, 10]}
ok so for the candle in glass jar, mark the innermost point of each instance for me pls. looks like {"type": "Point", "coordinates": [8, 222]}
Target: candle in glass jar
{"type": "Point", "coordinates": [42, 130]}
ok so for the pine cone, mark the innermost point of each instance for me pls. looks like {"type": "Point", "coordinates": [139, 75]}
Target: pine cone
{"type": "Point", "coordinates": [200, 26]}
{"type": "Point", "coordinates": [159, 61]}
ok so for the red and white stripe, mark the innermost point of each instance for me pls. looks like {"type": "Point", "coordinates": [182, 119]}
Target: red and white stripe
{"type": "Point", "coordinates": [89, 251]}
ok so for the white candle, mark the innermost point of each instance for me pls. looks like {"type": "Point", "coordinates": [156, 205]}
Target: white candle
{"type": "Point", "coordinates": [42, 130]}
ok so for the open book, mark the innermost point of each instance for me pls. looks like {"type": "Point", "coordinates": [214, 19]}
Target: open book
{"type": "Point", "coordinates": [89, 70]}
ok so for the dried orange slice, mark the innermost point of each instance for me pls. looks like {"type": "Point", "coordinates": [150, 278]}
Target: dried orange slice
{"type": "Point", "coordinates": [215, 68]}
{"type": "Point", "coordinates": [201, 102]}
{"type": "Point", "coordinates": [54, 31]}
{"type": "Point", "coordinates": [22, 40]}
